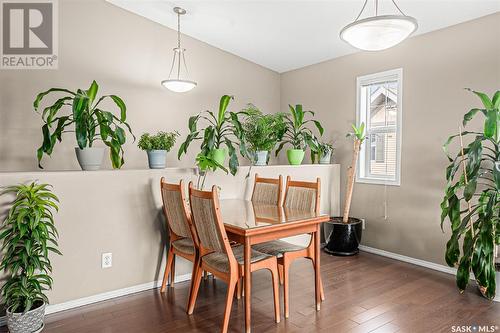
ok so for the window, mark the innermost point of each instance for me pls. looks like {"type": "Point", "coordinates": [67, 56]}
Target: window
{"type": "Point", "coordinates": [379, 107]}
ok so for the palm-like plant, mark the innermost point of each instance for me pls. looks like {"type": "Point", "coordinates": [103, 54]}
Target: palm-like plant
{"type": "Point", "coordinates": [28, 234]}
{"type": "Point", "coordinates": [90, 121]}
{"type": "Point", "coordinates": [471, 200]}
{"type": "Point", "coordinates": [223, 129]}
{"type": "Point", "coordinates": [297, 134]}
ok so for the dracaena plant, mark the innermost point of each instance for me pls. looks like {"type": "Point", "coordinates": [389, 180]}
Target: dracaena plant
{"type": "Point", "coordinates": [28, 234]}
{"type": "Point", "coordinates": [471, 200]}
{"type": "Point", "coordinates": [86, 118]}
{"type": "Point", "coordinates": [223, 129]}
{"type": "Point", "coordinates": [297, 133]}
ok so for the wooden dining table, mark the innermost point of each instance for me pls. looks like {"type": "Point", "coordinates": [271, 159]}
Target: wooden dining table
{"type": "Point", "coordinates": [252, 223]}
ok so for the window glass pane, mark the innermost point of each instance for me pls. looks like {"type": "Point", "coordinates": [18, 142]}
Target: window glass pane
{"type": "Point", "coordinates": [383, 104]}
{"type": "Point", "coordinates": [382, 161]}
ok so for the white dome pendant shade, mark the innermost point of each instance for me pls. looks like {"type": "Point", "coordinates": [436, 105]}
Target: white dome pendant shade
{"type": "Point", "coordinates": [177, 83]}
{"type": "Point", "coordinates": [378, 32]}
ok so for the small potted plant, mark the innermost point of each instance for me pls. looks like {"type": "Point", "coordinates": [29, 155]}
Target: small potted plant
{"type": "Point", "coordinates": [90, 122]}
{"type": "Point", "coordinates": [297, 134]}
{"type": "Point", "coordinates": [321, 149]}
{"type": "Point", "coordinates": [157, 146]}
{"type": "Point", "coordinates": [28, 234]}
{"type": "Point", "coordinates": [346, 231]}
{"type": "Point", "coordinates": [221, 136]}
{"type": "Point", "coordinates": [262, 132]}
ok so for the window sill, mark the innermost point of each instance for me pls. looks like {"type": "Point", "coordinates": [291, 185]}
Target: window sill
{"type": "Point", "coordinates": [378, 181]}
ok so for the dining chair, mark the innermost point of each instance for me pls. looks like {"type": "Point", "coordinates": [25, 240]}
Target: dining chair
{"type": "Point", "coordinates": [179, 228]}
{"type": "Point", "coordinates": [218, 257]}
{"type": "Point", "coordinates": [304, 196]}
{"type": "Point", "coordinates": [267, 190]}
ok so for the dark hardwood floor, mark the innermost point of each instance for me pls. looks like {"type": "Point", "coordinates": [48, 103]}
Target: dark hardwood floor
{"type": "Point", "coordinates": [365, 293]}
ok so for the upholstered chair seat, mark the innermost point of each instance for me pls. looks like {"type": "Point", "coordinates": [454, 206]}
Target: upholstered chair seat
{"type": "Point", "coordinates": [220, 261]}
{"type": "Point", "coordinates": [184, 245]}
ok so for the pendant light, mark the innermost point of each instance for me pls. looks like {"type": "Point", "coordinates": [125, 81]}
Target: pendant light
{"type": "Point", "coordinates": [377, 33]}
{"type": "Point", "coordinates": [177, 82]}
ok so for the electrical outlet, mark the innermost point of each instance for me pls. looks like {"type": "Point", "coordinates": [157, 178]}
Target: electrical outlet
{"type": "Point", "coordinates": [107, 260]}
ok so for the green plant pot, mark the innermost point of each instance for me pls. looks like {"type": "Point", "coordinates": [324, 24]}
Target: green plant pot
{"type": "Point", "coordinates": [219, 155]}
{"type": "Point", "coordinates": [295, 156]}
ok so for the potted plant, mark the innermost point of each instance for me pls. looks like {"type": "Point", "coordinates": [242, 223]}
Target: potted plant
{"type": "Point", "coordinates": [345, 233]}
{"type": "Point", "coordinates": [157, 147]}
{"type": "Point", "coordinates": [28, 235]}
{"type": "Point", "coordinates": [262, 132]}
{"type": "Point", "coordinates": [89, 122]}
{"type": "Point", "coordinates": [221, 136]}
{"type": "Point", "coordinates": [321, 149]}
{"type": "Point", "coordinates": [297, 134]}
{"type": "Point", "coordinates": [472, 201]}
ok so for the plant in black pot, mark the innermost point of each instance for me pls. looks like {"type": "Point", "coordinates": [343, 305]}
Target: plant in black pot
{"type": "Point", "coordinates": [89, 121]}
{"type": "Point", "coordinates": [262, 133]}
{"type": "Point", "coordinates": [28, 235]}
{"type": "Point", "coordinates": [157, 146]}
{"type": "Point", "coordinates": [346, 231]}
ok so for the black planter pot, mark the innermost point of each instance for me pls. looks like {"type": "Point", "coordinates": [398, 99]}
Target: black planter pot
{"type": "Point", "coordinates": [344, 238]}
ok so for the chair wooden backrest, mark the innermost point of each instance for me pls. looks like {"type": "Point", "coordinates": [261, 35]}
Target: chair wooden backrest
{"type": "Point", "coordinates": [303, 195]}
{"type": "Point", "coordinates": [176, 211]}
{"type": "Point", "coordinates": [267, 190]}
{"type": "Point", "coordinates": [207, 222]}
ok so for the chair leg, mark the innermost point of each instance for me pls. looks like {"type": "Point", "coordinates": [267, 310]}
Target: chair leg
{"type": "Point", "coordinates": [229, 303]}
{"type": "Point", "coordinates": [195, 287]}
{"type": "Point", "coordinates": [286, 286]}
{"type": "Point", "coordinates": [276, 292]}
{"type": "Point", "coordinates": [193, 275]}
{"type": "Point", "coordinates": [239, 288]}
{"type": "Point", "coordinates": [168, 266]}
{"type": "Point", "coordinates": [280, 270]}
{"type": "Point", "coordinates": [205, 275]}
{"type": "Point", "coordinates": [322, 292]}
{"type": "Point", "coordinates": [172, 275]}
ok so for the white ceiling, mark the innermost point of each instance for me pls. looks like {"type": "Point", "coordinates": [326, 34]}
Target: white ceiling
{"type": "Point", "coordinates": [285, 35]}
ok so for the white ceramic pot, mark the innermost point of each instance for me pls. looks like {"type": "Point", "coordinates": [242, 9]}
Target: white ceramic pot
{"type": "Point", "coordinates": [29, 322]}
{"type": "Point", "coordinates": [90, 158]}
{"type": "Point", "coordinates": [157, 159]}
{"type": "Point", "coordinates": [261, 157]}
{"type": "Point", "coordinates": [325, 159]}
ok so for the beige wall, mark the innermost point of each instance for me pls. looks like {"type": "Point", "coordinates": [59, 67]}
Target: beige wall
{"type": "Point", "coordinates": [127, 55]}
{"type": "Point", "coordinates": [436, 68]}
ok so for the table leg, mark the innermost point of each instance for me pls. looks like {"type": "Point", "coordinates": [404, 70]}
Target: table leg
{"type": "Point", "coordinates": [248, 285]}
{"type": "Point", "coordinates": [317, 275]}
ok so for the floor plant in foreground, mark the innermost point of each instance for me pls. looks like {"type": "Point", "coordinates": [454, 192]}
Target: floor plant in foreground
{"type": "Point", "coordinates": [28, 235]}
{"type": "Point", "coordinates": [471, 201]}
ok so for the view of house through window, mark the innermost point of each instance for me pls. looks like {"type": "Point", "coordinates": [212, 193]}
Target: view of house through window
{"type": "Point", "coordinates": [379, 107]}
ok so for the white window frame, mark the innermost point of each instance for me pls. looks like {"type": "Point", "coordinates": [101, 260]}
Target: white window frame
{"type": "Point", "coordinates": [394, 74]}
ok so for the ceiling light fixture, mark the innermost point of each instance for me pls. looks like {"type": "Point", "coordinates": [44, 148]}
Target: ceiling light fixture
{"type": "Point", "coordinates": [377, 33]}
{"type": "Point", "coordinates": [177, 83]}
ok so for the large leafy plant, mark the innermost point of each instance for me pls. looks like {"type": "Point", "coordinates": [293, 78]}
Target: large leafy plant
{"type": "Point", "coordinates": [89, 120]}
{"type": "Point", "coordinates": [221, 130]}
{"type": "Point", "coordinates": [471, 200]}
{"type": "Point", "coordinates": [28, 234]}
{"type": "Point", "coordinates": [262, 131]}
{"type": "Point", "coordinates": [297, 133]}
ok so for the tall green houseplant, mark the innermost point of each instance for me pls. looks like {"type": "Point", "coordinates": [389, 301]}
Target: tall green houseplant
{"type": "Point", "coordinates": [471, 200]}
{"type": "Point", "coordinates": [86, 118]}
{"type": "Point", "coordinates": [28, 235]}
{"type": "Point", "coordinates": [221, 136]}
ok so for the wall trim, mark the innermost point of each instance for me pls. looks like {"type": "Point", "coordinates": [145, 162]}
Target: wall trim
{"type": "Point", "coordinates": [418, 262]}
{"type": "Point", "coordinates": [104, 296]}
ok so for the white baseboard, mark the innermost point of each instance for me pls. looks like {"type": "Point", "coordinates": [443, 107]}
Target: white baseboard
{"type": "Point", "coordinates": [418, 262]}
{"type": "Point", "coordinates": [104, 296]}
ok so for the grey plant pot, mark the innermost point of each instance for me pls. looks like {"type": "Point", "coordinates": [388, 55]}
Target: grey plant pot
{"type": "Point", "coordinates": [157, 159]}
{"type": "Point", "coordinates": [90, 158]}
{"type": "Point", "coordinates": [30, 322]}
{"type": "Point", "coordinates": [261, 157]}
{"type": "Point", "coordinates": [325, 159]}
